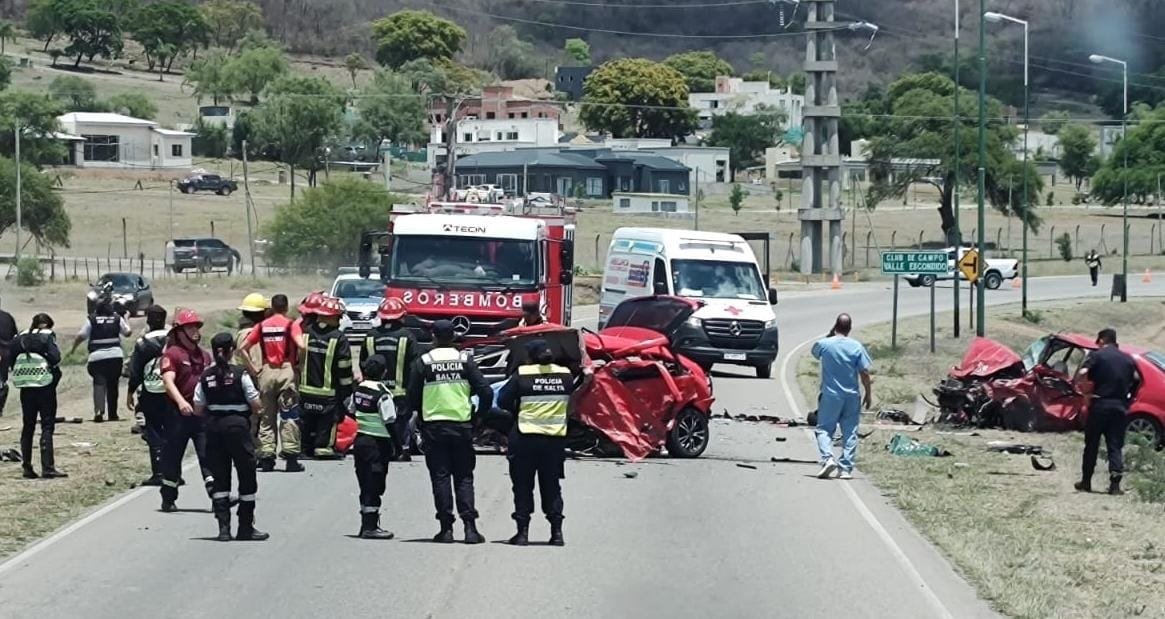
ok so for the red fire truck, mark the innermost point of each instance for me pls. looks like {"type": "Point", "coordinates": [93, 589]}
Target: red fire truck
{"type": "Point", "coordinates": [475, 264]}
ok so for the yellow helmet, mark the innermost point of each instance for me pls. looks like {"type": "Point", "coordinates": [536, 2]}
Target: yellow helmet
{"type": "Point", "coordinates": [254, 302]}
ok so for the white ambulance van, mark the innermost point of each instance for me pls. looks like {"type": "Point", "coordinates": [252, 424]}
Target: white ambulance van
{"type": "Point", "coordinates": [736, 324]}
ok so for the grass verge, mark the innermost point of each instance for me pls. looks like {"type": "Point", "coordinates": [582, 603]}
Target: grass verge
{"type": "Point", "coordinates": [1030, 544]}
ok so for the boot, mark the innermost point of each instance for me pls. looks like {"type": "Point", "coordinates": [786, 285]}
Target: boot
{"type": "Point", "coordinates": [222, 513]}
{"type": "Point", "coordinates": [48, 459]}
{"type": "Point", "coordinates": [472, 536]}
{"type": "Point", "coordinates": [152, 480]}
{"type": "Point", "coordinates": [445, 535]}
{"type": "Point", "coordinates": [268, 464]}
{"type": "Point", "coordinates": [293, 465]}
{"type": "Point", "coordinates": [29, 473]}
{"type": "Point", "coordinates": [522, 537]}
{"type": "Point", "coordinates": [1114, 485]}
{"type": "Point", "coordinates": [556, 534]}
{"type": "Point", "coordinates": [1084, 485]}
{"type": "Point", "coordinates": [168, 506]}
{"type": "Point", "coordinates": [247, 531]}
{"type": "Point", "coordinates": [370, 527]}
{"type": "Point", "coordinates": [224, 531]}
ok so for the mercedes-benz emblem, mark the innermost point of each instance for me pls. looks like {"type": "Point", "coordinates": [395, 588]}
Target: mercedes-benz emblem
{"type": "Point", "coordinates": [461, 325]}
{"type": "Point", "coordinates": [734, 328]}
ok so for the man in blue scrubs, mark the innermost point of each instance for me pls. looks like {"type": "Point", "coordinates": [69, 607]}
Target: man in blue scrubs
{"type": "Point", "coordinates": [843, 362]}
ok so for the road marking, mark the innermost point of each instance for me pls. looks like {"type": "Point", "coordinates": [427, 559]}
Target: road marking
{"type": "Point", "coordinates": [899, 555]}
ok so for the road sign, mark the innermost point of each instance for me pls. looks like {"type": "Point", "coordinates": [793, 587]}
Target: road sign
{"type": "Point", "coordinates": [914, 263]}
{"type": "Point", "coordinates": [969, 265]}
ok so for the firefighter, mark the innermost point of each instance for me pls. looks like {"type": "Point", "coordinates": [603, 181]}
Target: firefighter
{"type": "Point", "coordinates": [145, 374]}
{"type": "Point", "coordinates": [440, 385]}
{"type": "Point", "coordinates": [531, 314]}
{"type": "Point", "coordinates": [325, 378]}
{"type": "Point", "coordinates": [33, 364]}
{"type": "Point", "coordinates": [372, 407]}
{"type": "Point", "coordinates": [275, 372]}
{"type": "Point", "coordinates": [182, 365]}
{"type": "Point", "coordinates": [227, 397]}
{"type": "Point", "coordinates": [254, 310]}
{"type": "Point", "coordinates": [393, 341]}
{"type": "Point", "coordinates": [104, 330]}
{"type": "Point", "coordinates": [538, 395]}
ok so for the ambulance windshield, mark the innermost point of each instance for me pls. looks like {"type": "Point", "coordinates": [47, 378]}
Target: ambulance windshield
{"type": "Point", "coordinates": [717, 279]}
{"type": "Point", "coordinates": [474, 262]}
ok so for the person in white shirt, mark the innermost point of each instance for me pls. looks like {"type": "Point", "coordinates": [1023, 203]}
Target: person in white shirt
{"type": "Point", "coordinates": [104, 330]}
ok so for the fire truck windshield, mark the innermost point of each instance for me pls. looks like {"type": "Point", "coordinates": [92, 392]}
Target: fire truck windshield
{"type": "Point", "coordinates": [469, 261]}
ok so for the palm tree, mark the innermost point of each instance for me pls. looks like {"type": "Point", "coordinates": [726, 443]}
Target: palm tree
{"type": "Point", "coordinates": [7, 32]}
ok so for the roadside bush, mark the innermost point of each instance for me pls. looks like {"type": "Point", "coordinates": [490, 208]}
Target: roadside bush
{"type": "Point", "coordinates": [29, 272]}
{"type": "Point", "coordinates": [212, 140]}
{"type": "Point", "coordinates": [1034, 316]}
{"type": "Point", "coordinates": [323, 228]}
{"type": "Point", "coordinates": [1051, 198]}
{"type": "Point", "coordinates": [1064, 243]}
{"type": "Point", "coordinates": [1146, 463]}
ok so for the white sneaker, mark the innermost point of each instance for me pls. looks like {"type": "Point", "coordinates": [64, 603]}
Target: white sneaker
{"type": "Point", "coordinates": [846, 475]}
{"type": "Point", "coordinates": [827, 470]}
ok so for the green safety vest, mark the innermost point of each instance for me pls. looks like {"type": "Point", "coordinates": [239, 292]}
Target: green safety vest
{"type": "Point", "coordinates": [31, 370]}
{"type": "Point", "coordinates": [152, 376]}
{"type": "Point", "coordinates": [397, 384]}
{"type": "Point", "coordinates": [366, 405]}
{"type": "Point", "coordinates": [545, 395]}
{"type": "Point", "coordinates": [445, 396]}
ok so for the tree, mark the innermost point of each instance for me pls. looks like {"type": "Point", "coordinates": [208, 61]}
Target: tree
{"type": "Point", "coordinates": [509, 56]}
{"type": "Point", "coordinates": [42, 210]}
{"type": "Point", "coordinates": [700, 69]}
{"type": "Point", "coordinates": [210, 79]}
{"type": "Point", "coordinates": [93, 30]}
{"type": "Point", "coordinates": [635, 97]}
{"type": "Point", "coordinates": [210, 140]}
{"type": "Point", "coordinates": [354, 63]}
{"type": "Point", "coordinates": [76, 93]}
{"type": "Point", "coordinates": [747, 137]}
{"type": "Point", "coordinates": [797, 83]}
{"type": "Point", "coordinates": [1142, 149]}
{"type": "Point", "coordinates": [736, 198]}
{"type": "Point", "coordinates": [915, 125]}
{"type": "Point", "coordinates": [133, 104]}
{"type": "Point", "coordinates": [298, 117]}
{"type": "Point", "coordinates": [578, 51]}
{"type": "Point", "coordinates": [230, 20]}
{"type": "Point", "coordinates": [389, 110]}
{"type": "Point", "coordinates": [254, 69]}
{"type": "Point", "coordinates": [410, 34]}
{"type": "Point", "coordinates": [1076, 153]}
{"type": "Point", "coordinates": [764, 75]}
{"type": "Point", "coordinates": [169, 29]}
{"type": "Point", "coordinates": [1053, 121]}
{"type": "Point", "coordinates": [7, 33]}
{"type": "Point", "coordinates": [324, 227]}
{"type": "Point", "coordinates": [45, 19]}
{"type": "Point", "coordinates": [36, 114]}
{"type": "Point", "coordinates": [5, 73]}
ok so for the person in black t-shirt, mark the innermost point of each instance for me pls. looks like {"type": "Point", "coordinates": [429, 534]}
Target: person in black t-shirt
{"type": "Point", "coordinates": [8, 332]}
{"type": "Point", "coordinates": [1114, 382]}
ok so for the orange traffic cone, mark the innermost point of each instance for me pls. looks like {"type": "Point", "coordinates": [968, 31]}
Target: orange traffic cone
{"type": "Point", "coordinates": [1147, 278]}
{"type": "Point", "coordinates": [1017, 282]}
{"type": "Point", "coordinates": [836, 285]}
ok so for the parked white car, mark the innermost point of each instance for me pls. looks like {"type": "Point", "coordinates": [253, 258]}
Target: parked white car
{"type": "Point", "coordinates": [994, 272]}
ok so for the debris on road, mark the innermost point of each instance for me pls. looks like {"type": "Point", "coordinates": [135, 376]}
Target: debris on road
{"type": "Point", "coordinates": [745, 466]}
{"type": "Point", "coordinates": [631, 474]}
{"type": "Point", "coordinates": [902, 445]}
{"type": "Point", "coordinates": [10, 455]}
{"type": "Point", "coordinates": [781, 439]}
{"type": "Point", "coordinates": [1018, 449]}
{"type": "Point", "coordinates": [1040, 466]}
{"type": "Point", "coordinates": [69, 420]}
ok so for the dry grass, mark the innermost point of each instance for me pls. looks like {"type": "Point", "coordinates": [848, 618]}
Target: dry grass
{"type": "Point", "coordinates": [1029, 543]}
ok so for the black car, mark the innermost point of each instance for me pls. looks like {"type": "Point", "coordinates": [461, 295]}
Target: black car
{"type": "Point", "coordinates": [201, 254]}
{"type": "Point", "coordinates": [207, 182]}
{"type": "Point", "coordinates": [131, 293]}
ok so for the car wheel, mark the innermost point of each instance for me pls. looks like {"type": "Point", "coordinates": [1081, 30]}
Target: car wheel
{"type": "Point", "coordinates": [177, 269]}
{"type": "Point", "coordinates": [993, 280]}
{"type": "Point", "coordinates": [204, 266]}
{"type": "Point", "coordinates": [188, 190]}
{"type": "Point", "coordinates": [764, 370]}
{"type": "Point", "coordinates": [1146, 426]}
{"type": "Point", "coordinates": [926, 281]}
{"type": "Point", "coordinates": [689, 436]}
{"type": "Point", "coordinates": [913, 282]}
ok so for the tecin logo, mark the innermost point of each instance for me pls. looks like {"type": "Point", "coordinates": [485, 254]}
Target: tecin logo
{"type": "Point", "coordinates": [463, 229]}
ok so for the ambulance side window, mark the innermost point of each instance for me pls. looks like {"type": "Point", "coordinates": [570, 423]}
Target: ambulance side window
{"type": "Point", "coordinates": [659, 276]}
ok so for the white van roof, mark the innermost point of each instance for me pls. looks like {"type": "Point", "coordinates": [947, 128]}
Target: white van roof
{"type": "Point", "coordinates": [693, 244]}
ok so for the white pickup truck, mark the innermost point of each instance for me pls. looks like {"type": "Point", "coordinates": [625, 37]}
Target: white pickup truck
{"type": "Point", "coordinates": [994, 272]}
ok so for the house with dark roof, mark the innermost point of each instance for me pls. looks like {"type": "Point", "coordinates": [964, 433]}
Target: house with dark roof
{"type": "Point", "coordinates": [570, 80]}
{"type": "Point", "coordinates": [592, 173]}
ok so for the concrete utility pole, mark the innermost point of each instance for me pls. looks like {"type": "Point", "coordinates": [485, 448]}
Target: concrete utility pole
{"type": "Point", "coordinates": [19, 205]}
{"type": "Point", "coordinates": [821, 184]}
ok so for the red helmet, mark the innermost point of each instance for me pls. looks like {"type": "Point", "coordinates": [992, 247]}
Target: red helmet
{"type": "Point", "coordinates": [392, 309]}
{"type": "Point", "coordinates": [329, 306]}
{"type": "Point", "coordinates": [311, 303]}
{"type": "Point", "coordinates": [187, 317]}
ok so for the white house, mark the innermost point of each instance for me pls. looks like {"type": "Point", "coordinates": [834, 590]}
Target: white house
{"type": "Point", "coordinates": [709, 164]}
{"type": "Point", "coordinates": [663, 204]}
{"type": "Point", "coordinates": [116, 141]}
{"type": "Point", "coordinates": [736, 95]}
{"type": "Point", "coordinates": [493, 135]}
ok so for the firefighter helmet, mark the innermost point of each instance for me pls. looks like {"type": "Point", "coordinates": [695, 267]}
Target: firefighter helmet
{"type": "Point", "coordinates": [330, 306]}
{"type": "Point", "coordinates": [392, 309]}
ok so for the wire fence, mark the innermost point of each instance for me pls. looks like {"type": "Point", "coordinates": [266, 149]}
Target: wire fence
{"type": "Point", "coordinates": [88, 269]}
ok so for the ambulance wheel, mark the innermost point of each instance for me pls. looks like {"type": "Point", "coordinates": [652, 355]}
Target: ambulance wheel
{"type": "Point", "coordinates": [689, 436]}
{"type": "Point", "coordinates": [764, 370]}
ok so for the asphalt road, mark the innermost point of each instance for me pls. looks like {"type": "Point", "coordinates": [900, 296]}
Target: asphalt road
{"type": "Point", "coordinates": [681, 539]}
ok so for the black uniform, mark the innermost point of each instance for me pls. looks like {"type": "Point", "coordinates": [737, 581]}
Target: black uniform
{"type": "Point", "coordinates": [373, 447]}
{"type": "Point", "coordinates": [538, 397]}
{"type": "Point", "coordinates": [229, 442]}
{"type": "Point", "coordinates": [398, 346]}
{"type": "Point", "coordinates": [8, 332]}
{"type": "Point", "coordinates": [155, 406]}
{"type": "Point", "coordinates": [325, 383]}
{"type": "Point", "coordinates": [37, 401]}
{"type": "Point", "coordinates": [105, 332]}
{"type": "Point", "coordinates": [448, 430]}
{"type": "Point", "coordinates": [1115, 381]}
{"type": "Point", "coordinates": [1093, 262]}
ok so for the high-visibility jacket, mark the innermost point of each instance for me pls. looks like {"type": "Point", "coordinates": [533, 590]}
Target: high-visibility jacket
{"type": "Point", "coordinates": [225, 396]}
{"type": "Point", "coordinates": [544, 393]}
{"type": "Point", "coordinates": [446, 391]}
{"type": "Point", "coordinates": [398, 347]}
{"type": "Point", "coordinates": [33, 369]}
{"type": "Point", "coordinates": [326, 365]}
{"type": "Point", "coordinates": [104, 332]}
{"type": "Point", "coordinates": [369, 405]}
{"type": "Point", "coordinates": [151, 346]}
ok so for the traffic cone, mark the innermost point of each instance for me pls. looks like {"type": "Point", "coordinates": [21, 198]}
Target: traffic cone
{"type": "Point", "coordinates": [1017, 282]}
{"type": "Point", "coordinates": [1147, 278]}
{"type": "Point", "coordinates": [836, 285]}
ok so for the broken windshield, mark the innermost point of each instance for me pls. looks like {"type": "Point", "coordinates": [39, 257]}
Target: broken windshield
{"type": "Point", "coordinates": [1034, 353]}
{"type": "Point", "coordinates": [468, 261]}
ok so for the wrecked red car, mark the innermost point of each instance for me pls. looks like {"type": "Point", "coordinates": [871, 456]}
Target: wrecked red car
{"type": "Point", "coordinates": [639, 397]}
{"type": "Point", "coordinates": [994, 387]}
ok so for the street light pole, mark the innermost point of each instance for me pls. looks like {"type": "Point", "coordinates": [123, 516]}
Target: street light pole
{"type": "Point", "coordinates": [19, 208]}
{"type": "Point", "coordinates": [958, 154]}
{"type": "Point", "coordinates": [980, 297]}
{"type": "Point", "coordinates": [1098, 59]}
{"type": "Point", "coordinates": [997, 17]}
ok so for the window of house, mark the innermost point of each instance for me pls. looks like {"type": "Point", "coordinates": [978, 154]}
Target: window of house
{"type": "Point", "coordinates": [468, 137]}
{"type": "Point", "coordinates": [541, 115]}
{"type": "Point", "coordinates": [664, 185]}
{"type": "Point", "coordinates": [714, 103]}
{"type": "Point", "coordinates": [512, 136]}
{"type": "Point", "coordinates": [667, 207]}
{"type": "Point", "coordinates": [525, 114]}
{"type": "Point", "coordinates": [594, 186]}
{"type": "Point", "coordinates": [489, 115]}
{"type": "Point", "coordinates": [511, 114]}
{"type": "Point", "coordinates": [102, 148]}
{"type": "Point", "coordinates": [469, 180]}
{"type": "Point", "coordinates": [654, 206]}
{"type": "Point", "coordinates": [175, 150]}
{"type": "Point", "coordinates": [155, 150]}
{"type": "Point", "coordinates": [502, 136]}
{"type": "Point", "coordinates": [624, 202]}
{"type": "Point", "coordinates": [508, 182]}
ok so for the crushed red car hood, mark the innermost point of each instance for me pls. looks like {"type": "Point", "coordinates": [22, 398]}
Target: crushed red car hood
{"type": "Point", "coordinates": [985, 358]}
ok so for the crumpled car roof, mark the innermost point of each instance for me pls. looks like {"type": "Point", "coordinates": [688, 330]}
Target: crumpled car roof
{"type": "Point", "coordinates": [984, 358]}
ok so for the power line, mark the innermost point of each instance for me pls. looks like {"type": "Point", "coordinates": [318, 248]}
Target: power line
{"type": "Point", "coordinates": [631, 5]}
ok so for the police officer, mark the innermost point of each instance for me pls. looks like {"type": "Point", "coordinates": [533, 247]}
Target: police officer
{"type": "Point", "coordinates": [33, 363]}
{"type": "Point", "coordinates": [325, 378]}
{"type": "Point", "coordinates": [397, 345]}
{"type": "Point", "coordinates": [440, 385]}
{"type": "Point", "coordinates": [1114, 382]}
{"type": "Point", "coordinates": [538, 395]}
{"type": "Point", "coordinates": [104, 330]}
{"type": "Point", "coordinates": [145, 374]}
{"type": "Point", "coordinates": [1092, 260]}
{"type": "Point", "coordinates": [226, 395]}
{"type": "Point", "coordinates": [372, 406]}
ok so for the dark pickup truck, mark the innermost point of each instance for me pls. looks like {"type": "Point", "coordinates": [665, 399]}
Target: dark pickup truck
{"type": "Point", "coordinates": [202, 254]}
{"type": "Point", "coordinates": [207, 182]}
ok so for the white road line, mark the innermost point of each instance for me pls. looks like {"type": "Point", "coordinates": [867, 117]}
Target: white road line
{"type": "Point", "coordinates": [899, 555]}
